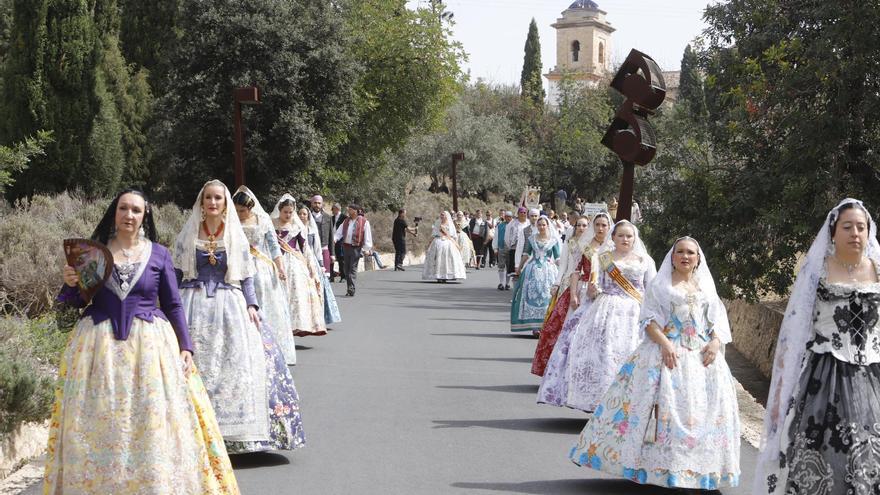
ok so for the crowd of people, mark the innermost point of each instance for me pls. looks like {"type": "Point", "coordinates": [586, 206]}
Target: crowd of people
{"type": "Point", "coordinates": [641, 351]}
{"type": "Point", "coordinates": [181, 359]}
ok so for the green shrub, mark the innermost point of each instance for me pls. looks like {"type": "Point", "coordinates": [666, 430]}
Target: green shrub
{"type": "Point", "coordinates": [30, 351]}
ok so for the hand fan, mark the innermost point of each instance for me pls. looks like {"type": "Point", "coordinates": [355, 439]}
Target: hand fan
{"type": "Point", "coordinates": [93, 263]}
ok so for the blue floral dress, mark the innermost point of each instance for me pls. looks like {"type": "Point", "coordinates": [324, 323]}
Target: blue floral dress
{"type": "Point", "coordinates": [531, 296]}
{"type": "Point", "coordinates": [693, 439]}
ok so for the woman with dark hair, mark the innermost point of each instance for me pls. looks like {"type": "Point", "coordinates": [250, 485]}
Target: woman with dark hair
{"type": "Point", "coordinates": [822, 425]}
{"type": "Point", "coordinates": [252, 390]}
{"type": "Point", "coordinates": [269, 281]}
{"type": "Point", "coordinates": [131, 413]}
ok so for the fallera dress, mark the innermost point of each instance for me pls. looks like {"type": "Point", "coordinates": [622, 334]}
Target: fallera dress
{"type": "Point", "coordinates": [531, 296]}
{"type": "Point", "coordinates": [303, 294]}
{"type": "Point", "coordinates": [443, 260]}
{"type": "Point", "coordinates": [126, 419]}
{"type": "Point", "coordinates": [250, 386]}
{"type": "Point", "coordinates": [830, 442]}
{"type": "Point", "coordinates": [695, 443]}
{"type": "Point", "coordinates": [574, 260]}
{"type": "Point", "coordinates": [597, 340]}
{"type": "Point", "coordinates": [271, 292]}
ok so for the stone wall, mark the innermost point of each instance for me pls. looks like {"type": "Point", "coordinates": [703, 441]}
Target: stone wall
{"type": "Point", "coordinates": [25, 443]}
{"type": "Point", "coordinates": [755, 328]}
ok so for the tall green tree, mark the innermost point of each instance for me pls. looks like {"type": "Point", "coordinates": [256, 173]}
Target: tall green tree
{"type": "Point", "coordinates": [690, 88]}
{"type": "Point", "coordinates": [792, 89]}
{"type": "Point", "coordinates": [50, 85]}
{"type": "Point", "coordinates": [150, 29]}
{"type": "Point", "coordinates": [299, 56]}
{"type": "Point", "coordinates": [410, 74]}
{"type": "Point", "coordinates": [531, 79]}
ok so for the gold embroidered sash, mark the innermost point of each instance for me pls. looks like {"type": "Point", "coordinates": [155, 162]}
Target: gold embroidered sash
{"type": "Point", "coordinates": [608, 266]}
{"type": "Point", "coordinates": [262, 257]}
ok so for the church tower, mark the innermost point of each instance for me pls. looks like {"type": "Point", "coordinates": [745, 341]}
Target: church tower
{"type": "Point", "coordinates": [583, 46]}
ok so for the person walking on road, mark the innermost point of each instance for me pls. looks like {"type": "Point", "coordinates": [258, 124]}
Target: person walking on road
{"type": "Point", "coordinates": [398, 238]}
{"type": "Point", "coordinates": [324, 231]}
{"type": "Point", "coordinates": [356, 238]}
{"type": "Point", "coordinates": [822, 423]}
{"type": "Point", "coordinates": [670, 417]}
{"type": "Point", "coordinates": [131, 412]}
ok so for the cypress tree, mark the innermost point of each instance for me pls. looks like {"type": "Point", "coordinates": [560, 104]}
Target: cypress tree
{"type": "Point", "coordinates": [530, 80]}
{"type": "Point", "coordinates": [690, 89]}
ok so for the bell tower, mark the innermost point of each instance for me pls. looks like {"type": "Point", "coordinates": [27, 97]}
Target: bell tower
{"type": "Point", "coordinates": [583, 45]}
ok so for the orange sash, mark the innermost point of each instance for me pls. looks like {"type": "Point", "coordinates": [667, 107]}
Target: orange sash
{"type": "Point", "coordinates": [607, 263]}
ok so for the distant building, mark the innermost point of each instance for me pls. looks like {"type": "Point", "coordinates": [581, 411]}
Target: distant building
{"type": "Point", "coordinates": [583, 46]}
{"type": "Point", "coordinates": [583, 50]}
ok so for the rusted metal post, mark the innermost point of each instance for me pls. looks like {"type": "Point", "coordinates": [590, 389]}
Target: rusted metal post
{"type": "Point", "coordinates": [241, 96]}
{"type": "Point", "coordinates": [625, 199]}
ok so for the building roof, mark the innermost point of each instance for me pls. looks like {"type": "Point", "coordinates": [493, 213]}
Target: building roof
{"type": "Point", "coordinates": [584, 4]}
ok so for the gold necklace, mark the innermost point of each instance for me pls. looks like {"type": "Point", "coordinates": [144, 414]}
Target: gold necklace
{"type": "Point", "coordinates": [212, 242]}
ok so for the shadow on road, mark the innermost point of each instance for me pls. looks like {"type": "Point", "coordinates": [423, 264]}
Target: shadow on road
{"type": "Point", "coordinates": [516, 389]}
{"type": "Point", "coordinates": [564, 426]}
{"type": "Point", "coordinates": [498, 359]}
{"type": "Point", "coordinates": [258, 460]}
{"type": "Point", "coordinates": [571, 486]}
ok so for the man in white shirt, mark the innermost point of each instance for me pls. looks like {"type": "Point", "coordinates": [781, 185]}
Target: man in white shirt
{"type": "Point", "coordinates": [357, 240]}
{"type": "Point", "coordinates": [511, 239]}
{"type": "Point", "coordinates": [524, 234]}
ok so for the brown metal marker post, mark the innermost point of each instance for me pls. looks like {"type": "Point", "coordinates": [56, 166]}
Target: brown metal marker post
{"type": "Point", "coordinates": [241, 96]}
{"type": "Point", "coordinates": [625, 199]}
{"type": "Point", "coordinates": [456, 157]}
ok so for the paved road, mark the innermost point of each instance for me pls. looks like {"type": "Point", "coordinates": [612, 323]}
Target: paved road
{"type": "Point", "coordinates": [423, 390]}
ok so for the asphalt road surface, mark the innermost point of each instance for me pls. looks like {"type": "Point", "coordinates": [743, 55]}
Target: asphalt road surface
{"type": "Point", "coordinates": [422, 389]}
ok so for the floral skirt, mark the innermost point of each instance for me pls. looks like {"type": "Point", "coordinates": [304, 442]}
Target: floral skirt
{"type": "Point", "coordinates": [285, 423]}
{"type": "Point", "coordinates": [228, 349]}
{"type": "Point", "coordinates": [127, 420]}
{"type": "Point", "coordinates": [306, 306]}
{"type": "Point", "coordinates": [697, 423]}
{"type": "Point", "coordinates": [832, 445]}
{"type": "Point", "coordinates": [554, 383]}
{"type": "Point", "coordinates": [331, 308]}
{"type": "Point", "coordinates": [550, 332]}
{"type": "Point", "coordinates": [272, 297]}
{"type": "Point", "coordinates": [531, 296]}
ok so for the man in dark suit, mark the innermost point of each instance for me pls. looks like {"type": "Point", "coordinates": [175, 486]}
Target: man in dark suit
{"type": "Point", "coordinates": [479, 230]}
{"type": "Point", "coordinates": [337, 218]}
{"type": "Point", "coordinates": [326, 231]}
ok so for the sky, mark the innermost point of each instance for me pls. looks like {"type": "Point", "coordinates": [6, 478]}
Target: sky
{"type": "Point", "coordinates": [493, 32]}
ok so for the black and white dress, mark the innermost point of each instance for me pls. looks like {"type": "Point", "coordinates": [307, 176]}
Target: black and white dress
{"type": "Point", "coordinates": [832, 426]}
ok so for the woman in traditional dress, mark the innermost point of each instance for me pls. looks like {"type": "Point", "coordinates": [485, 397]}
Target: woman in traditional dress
{"type": "Point", "coordinates": [303, 282]}
{"type": "Point", "coordinates": [331, 308]}
{"type": "Point", "coordinates": [247, 379]}
{"type": "Point", "coordinates": [131, 413]}
{"type": "Point", "coordinates": [670, 417]}
{"type": "Point", "coordinates": [531, 296]}
{"type": "Point", "coordinates": [574, 275]}
{"type": "Point", "coordinates": [605, 333]}
{"type": "Point", "coordinates": [466, 246]}
{"type": "Point", "coordinates": [269, 280]}
{"type": "Point", "coordinates": [822, 425]}
{"type": "Point", "coordinates": [443, 261]}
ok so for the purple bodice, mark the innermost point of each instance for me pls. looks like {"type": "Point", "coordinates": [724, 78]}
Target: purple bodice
{"type": "Point", "coordinates": [213, 277]}
{"type": "Point", "coordinates": [157, 282]}
{"type": "Point", "coordinates": [295, 242]}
